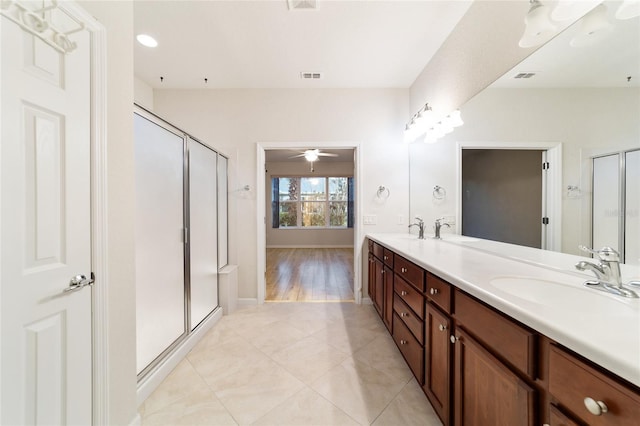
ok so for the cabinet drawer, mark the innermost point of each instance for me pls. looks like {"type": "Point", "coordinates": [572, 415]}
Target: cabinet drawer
{"type": "Point", "coordinates": [378, 250]}
{"type": "Point", "coordinates": [410, 319]}
{"type": "Point", "coordinates": [387, 257]}
{"type": "Point", "coordinates": [439, 292]}
{"type": "Point", "coordinates": [410, 296]}
{"type": "Point", "coordinates": [412, 351]}
{"type": "Point", "coordinates": [509, 340]}
{"type": "Point", "coordinates": [410, 272]}
{"type": "Point", "coordinates": [558, 418]}
{"type": "Point", "coordinates": [571, 381]}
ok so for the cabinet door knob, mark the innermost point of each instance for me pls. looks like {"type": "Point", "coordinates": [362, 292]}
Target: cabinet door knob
{"type": "Point", "coordinates": [442, 327]}
{"type": "Point", "coordinates": [403, 293]}
{"type": "Point", "coordinates": [382, 272]}
{"type": "Point", "coordinates": [403, 342]}
{"type": "Point", "coordinates": [385, 258]}
{"type": "Point", "coordinates": [404, 314]}
{"type": "Point", "coordinates": [453, 338]}
{"type": "Point", "coordinates": [403, 270]}
{"type": "Point", "coordinates": [433, 291]}
{"type": "Point", "coordinates": [597, 408]}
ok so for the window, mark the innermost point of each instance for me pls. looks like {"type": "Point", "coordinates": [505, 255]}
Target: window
{"type": "Point", "coordinates": [312, 202]}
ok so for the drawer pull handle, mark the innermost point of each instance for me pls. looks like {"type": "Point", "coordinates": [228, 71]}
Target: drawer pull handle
{"type": "Point", "coordinates": [403, 342]}
{"type": "Point", "coordinates": [453, 338]}
{"type": "Point", "coordinates": [404, 314]}
{"type": "Point", "coordinates": [403, 270]}
{"type": "Point", "coordinates": [433, 291]}
{"type": "Point", "coordinates": [442, 327]}
{"type": "Point", "coordinates": [597, 408]}
{"type": "Point", "coordinates": [403, 293]}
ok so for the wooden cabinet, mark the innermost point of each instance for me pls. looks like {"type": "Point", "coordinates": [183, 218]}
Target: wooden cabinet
{"type": "Point", "coordinates": [478, 366]}
{"type": "Point", "coordinates": [486, 391]}
{"type": "Point", "coordinates": [592, 396]}
{"type": "Point", "coordinates": [437, 361]}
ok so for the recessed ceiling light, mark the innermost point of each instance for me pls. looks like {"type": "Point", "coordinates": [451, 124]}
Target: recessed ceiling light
{"type": "Point", "coordinates": [146, 40]}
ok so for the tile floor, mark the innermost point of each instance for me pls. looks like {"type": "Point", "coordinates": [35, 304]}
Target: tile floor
{"type": "Point", "coordinates": [292, 364]}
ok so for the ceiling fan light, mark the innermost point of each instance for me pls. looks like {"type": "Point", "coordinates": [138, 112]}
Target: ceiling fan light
{"type": "Point", "coordinates": [454, 119]}
{"type": "Point", "coordinates": [311, 155]}
{"type": "Point", "coordinates": [538, 26]}
{"type": "Point", "coordinates": [628, 9]}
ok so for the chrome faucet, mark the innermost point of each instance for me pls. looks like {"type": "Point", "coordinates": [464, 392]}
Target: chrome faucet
{"type": "Point", "coordinates": [420, 225]}
{"type": "Point", "coordinates": [439, 224]}
{"type": "Point", "coordinates": [607, 272]}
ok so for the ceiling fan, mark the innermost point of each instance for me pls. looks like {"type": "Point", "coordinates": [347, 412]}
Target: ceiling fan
{"type": "Point", "coordinates": [312, 155]}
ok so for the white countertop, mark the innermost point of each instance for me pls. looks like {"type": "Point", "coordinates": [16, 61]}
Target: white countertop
{"type": "Point", "coordinates": [599, 326]}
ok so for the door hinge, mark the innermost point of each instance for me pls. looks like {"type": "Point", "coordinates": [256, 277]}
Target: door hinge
{"type": "Point", "coordinates": [545, 220]}
{"type": "Point", "coordinates": [545, 165]}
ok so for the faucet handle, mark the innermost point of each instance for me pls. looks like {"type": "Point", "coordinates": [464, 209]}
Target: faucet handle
{"type": "Point", "coordinates": [419, 219]}
{"type": "Point", "coordinates": [606, 254]}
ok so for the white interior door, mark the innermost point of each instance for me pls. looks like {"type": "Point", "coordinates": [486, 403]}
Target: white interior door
{"type": "Point", "coordinates": [45, 368]}
{"type": "Point", "coordinates": [203, 248]}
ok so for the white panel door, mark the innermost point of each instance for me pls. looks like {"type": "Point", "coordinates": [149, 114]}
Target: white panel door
{"type": "Point", "coordinates": [46, 229]}
{"type": "Point", "coordinates": [606, 204]}
{"type": "Point", "coordinates": [632, 208]}
{"type": "Point", "coordinates": [159, 219]}
{"type": "Point", "coordinates": [203, 233]}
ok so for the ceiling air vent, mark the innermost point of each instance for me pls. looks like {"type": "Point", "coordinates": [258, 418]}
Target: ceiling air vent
{"type": "Point", "coordinates": [311, 75]}
{"type": "Point", "coordinates": [525, 75]}
{"type": "Point", "coordinates": [302, 4]}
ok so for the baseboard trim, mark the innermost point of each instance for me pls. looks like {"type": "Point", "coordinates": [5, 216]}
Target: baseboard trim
{"type": "Point", "coordinates": [152, 380]}
{"type": "Point", "coordinates": [247, 301]}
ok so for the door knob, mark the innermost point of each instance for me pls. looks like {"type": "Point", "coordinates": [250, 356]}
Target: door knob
{"type": "Point", "coordinates": [78, 282]}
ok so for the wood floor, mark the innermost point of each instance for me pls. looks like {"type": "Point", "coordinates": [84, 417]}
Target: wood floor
{"type": "Point", "coordinates": [309, 274]}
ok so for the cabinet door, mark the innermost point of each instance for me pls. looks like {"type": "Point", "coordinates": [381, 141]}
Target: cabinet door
{"type": "Point", "coordinates": [388, 297]}
{"type": "Point", "coordinates": [558, 418]}
{"type": "Point", "coordinates": [437, 362]}
{"type": "Point", "coordinates": [378, 284]}
{"type": "Point", "coordinates": [486, 391]}
{"type": "Point", "coordinates": [372, 277]}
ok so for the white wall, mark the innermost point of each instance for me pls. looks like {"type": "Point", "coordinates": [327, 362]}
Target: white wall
{"type": "Point", "coordinates": [585, 121]}
{"type": "Point", "coordinates": [142, 93]}
{"type": "Point", "coordinates": [117, 17]}
{"type": "Point", "coordinates": [235, 120]}
{"type": "Point", "coordinates": [305, 237]}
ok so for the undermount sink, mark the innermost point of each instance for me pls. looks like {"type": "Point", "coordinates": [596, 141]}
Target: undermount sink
{"type": "Point", "coordinates": [556, 294]}
{"type": "Point", "coordinates": [458, 238]}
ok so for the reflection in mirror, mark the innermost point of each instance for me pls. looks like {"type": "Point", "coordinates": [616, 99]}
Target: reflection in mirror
{"type": "Point", "coordinates": [581, 97]}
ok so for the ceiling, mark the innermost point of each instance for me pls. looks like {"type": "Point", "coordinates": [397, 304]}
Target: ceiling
{"type": "Point", "coordinates": [263, 44]}
{"type": "Point", "coordinates": [605, 62]}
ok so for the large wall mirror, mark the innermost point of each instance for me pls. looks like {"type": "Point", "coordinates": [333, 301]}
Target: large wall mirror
{"type": "Point", "coordinates": [574, 100]}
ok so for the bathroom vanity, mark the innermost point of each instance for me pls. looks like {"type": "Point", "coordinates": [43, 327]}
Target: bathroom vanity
{"type": "Point", "coordinates": [498, 334]}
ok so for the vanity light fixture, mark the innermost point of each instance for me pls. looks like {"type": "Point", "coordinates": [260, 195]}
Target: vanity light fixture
{"type": "Point", "coordinates": [538, 26]}
{"type": "Point", "coordinates": [593, 27]}
{"type": "Point", "coordinates": [628, 9]}
{"type": "Point", "coordinates": [424, 123]}
{"type": "Point", "coordinates": [146, 40]}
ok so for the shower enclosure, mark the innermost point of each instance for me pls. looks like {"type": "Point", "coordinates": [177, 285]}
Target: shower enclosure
{"type": "Point", "coordinates": [181, 235]}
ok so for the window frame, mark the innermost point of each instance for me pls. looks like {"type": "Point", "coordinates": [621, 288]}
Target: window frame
{"type": "Point", "coordinates": [299, 202]}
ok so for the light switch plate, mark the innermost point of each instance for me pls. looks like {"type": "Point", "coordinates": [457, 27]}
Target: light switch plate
{"type": "Point", "coordinates": [369, 219]}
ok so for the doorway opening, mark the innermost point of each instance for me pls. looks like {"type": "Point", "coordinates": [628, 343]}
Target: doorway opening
{"type": "Point", "coordinates": [308, 241]}
{"type": "Point", "coordinates": [510, 192]}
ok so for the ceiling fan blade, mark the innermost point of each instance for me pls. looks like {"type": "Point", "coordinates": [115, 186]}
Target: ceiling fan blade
{"type": "Point", "coordinates": [297, 156]}
{"type": "Point", "coordinates": [327, 154]}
